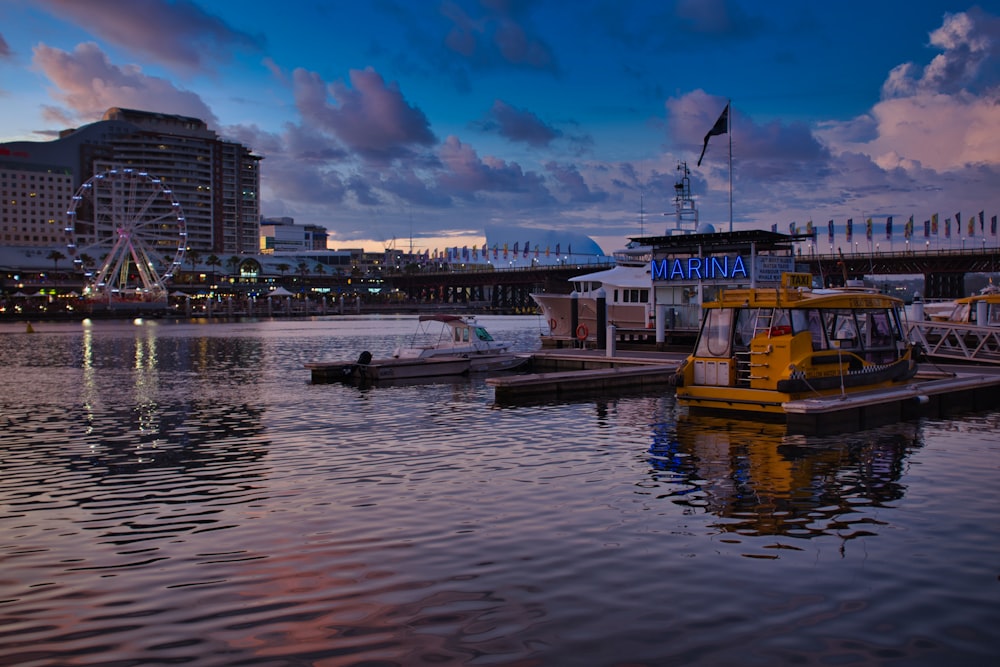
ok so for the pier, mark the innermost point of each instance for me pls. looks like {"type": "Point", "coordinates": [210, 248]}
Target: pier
{"type": "Point", "coordinates": [937, 390]}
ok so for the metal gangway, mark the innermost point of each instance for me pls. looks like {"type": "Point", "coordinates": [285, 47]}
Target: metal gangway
{"type": "Point", "coordinates": [954, 341]}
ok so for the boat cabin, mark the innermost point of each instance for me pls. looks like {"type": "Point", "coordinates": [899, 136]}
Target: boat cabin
{"type": "Point", "coordinates": [760, 347]}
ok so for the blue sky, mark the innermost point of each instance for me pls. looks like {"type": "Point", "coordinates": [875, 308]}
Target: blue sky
{"type": "Point", "coordinates": [432, 121]}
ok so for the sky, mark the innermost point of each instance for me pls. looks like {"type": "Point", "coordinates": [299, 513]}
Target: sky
{"type": "Point", "coordinates": [420, 124]}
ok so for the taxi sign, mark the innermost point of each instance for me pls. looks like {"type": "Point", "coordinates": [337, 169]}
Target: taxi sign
{"type": "Point", "coordinates": [796, 279]}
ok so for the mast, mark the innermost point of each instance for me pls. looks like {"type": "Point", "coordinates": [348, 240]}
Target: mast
{"type": "Point", "coordinates": [685, 211]}
{"type": "Point", "coordinates": [729, 131]}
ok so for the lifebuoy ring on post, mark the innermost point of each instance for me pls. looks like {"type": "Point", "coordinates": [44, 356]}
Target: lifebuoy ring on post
{"type": "Point", "coordinates": [553, 324]}
{"type": "Point", "coordinates": [581, 332]}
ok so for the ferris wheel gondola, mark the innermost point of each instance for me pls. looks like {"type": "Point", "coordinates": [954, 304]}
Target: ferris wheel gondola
{"type": "Point", "coordinates": [127, 235]}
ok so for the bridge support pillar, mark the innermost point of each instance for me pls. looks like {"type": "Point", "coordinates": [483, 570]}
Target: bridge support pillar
{"type": "Point", "coordinates": [944, 285]}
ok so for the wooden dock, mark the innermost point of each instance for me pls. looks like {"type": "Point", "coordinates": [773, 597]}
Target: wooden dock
{"type": "Point", "coordinates": [575, 372]}
{"type": "Point", "coordinates": [936, 391]}
{"type": "Point", "coordinates": [933, 393]}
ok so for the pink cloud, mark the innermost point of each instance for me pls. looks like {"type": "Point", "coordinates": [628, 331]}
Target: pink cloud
{"type": "Point", "coordinates": [466, 175]}
{"type": "Point", "coordinates": [574, 185]}
{"type": "Point", "coordinates": [89, 84]}
{"type": "Point", "coordinates": [944, 116]}
{"type": "Point", "coordinates": [176, 33]}
{"type": "Point", "coordinates": [369, 116]}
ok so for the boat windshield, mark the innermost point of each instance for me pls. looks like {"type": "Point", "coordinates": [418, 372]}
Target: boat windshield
{"type": "Point", "coordinates": [482, 334]}
{"type": "Point", "coordinates": [716, 333]}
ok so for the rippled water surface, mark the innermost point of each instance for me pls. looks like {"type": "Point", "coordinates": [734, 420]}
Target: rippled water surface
{"type": "Point", "coordinates": [180, 493]}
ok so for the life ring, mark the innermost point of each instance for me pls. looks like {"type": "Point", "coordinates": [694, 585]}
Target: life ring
{"type": "Point", "coordinates": [581, 332]}
{"type": "Point", "coordinates": [553, 324]}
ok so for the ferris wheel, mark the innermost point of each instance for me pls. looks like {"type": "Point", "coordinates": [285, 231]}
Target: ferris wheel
{"type": "Point", "coordinates": [126, 232]}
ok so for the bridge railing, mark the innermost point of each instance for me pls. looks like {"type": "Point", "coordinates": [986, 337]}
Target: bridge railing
{"type": "Point", "coordinates": [953, 341]}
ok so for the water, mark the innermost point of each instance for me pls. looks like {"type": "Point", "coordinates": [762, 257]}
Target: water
{"type": "Point", "coordinates": [180, 493]}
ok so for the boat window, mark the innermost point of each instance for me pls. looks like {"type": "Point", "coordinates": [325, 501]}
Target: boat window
{"type": "Point", "coordinates": [876, 329]}
{"type": "Point", "coordinates": [615, 297]}
{"type": "Point", "coordinates": [714, 340]}
{"type": "Point", "coordinates": [781, 321]}
{"type": "Point", "coordinates": [633, 295]}
{"type": "Point", "coordinates": [744, 329]}
{"type": "Point", "coordinates": [961, 313]}
{"type": "Point", "coordinates": [841, 326]}
{"type": "Point", "coordinates": [993, 315]}
{"type": "Point", "coordinates": [814, 325]}
{"type": "Point", "coordinates": [482, 334]}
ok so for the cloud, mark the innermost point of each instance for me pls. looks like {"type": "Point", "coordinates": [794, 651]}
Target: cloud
{"type": "Point", "coordinates": [572, 183]}
{"type": "Point", "coordinates": [720, 18]}
{"type": "Point", "coordinates": [945, 116]}
{"type": "Point", "coordinates": [370, 117]}
{"type": "Point", "coordinates": [691, 116]}
{"type": "Point", "coordinates": [968, 60]}
{"type": "Point", "coordinates": [175, 33]}
{"type": "Point", "coordinates": [5, 51]}
{"type": "Point", "coordinates": [520, 125]}
{"type": "Point", "coordinates": [405, 183]}
{"type": "Point", "coordinates": [501, 34]}
{"type": "Point", "coordinates": [89, 85]}
{"type": "Point", "coordinates": [466, 175]}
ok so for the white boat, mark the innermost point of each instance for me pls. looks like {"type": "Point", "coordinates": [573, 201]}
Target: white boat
{"type": "Point", "coordinates": [444, 336]}
{"type": "Point", "coordinates": [628, 292]}
{"type": "Point", "coordinates": [367, 369]}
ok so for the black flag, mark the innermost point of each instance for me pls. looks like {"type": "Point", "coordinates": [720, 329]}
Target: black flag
{"type": "Point", "coordinates": [721, 127]}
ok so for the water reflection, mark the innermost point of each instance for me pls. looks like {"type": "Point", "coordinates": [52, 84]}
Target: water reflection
{"type": "Point", "coordinates": [760, 481]}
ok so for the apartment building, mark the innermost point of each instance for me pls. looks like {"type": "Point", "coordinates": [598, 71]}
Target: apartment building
{"type": "Point", "coordinates": [217, 182]}
{"type": "Point", "coordinates": [33, 203]}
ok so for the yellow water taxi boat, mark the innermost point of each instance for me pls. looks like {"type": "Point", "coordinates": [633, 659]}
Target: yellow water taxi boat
{"type": "Point", "coordinates": [982, 309]}
{"type": "Point", "coordinates": [759, 348]}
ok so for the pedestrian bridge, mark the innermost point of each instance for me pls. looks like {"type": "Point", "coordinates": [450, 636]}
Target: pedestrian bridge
{"type": "Point", "coordinates": [954, 341]}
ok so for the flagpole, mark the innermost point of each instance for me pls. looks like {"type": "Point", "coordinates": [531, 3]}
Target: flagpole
{"type": "Point", "coordinates": [729, 131]}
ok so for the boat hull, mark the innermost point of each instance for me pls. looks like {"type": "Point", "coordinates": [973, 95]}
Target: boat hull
{"type": "Point", "coordinates": [771, 402]}
{"type": "Point", "coordinates": [381, 370]}
{"type": "Point", "coordinates": [557, 309]}
{"type": "Point", "coordinates": [486, 363]}
{"type": "Point", "coordinates": [391, 369]}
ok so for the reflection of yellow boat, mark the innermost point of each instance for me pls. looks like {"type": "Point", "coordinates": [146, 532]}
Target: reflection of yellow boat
{"type": "Point", "coordinates": [761, 481]}
{"type": "Point", "coordinates": [761, 347]}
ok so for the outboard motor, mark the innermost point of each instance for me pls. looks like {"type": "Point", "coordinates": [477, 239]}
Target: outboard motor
{"type": "Point", "coordinates": [365, 358]}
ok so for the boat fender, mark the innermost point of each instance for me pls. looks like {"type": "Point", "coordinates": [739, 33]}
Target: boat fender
{"type": "Point", "coordinates": [581, 332]}
{"type": "Point", "coordinates": [552, 324]}
{"type": "Point", "coordinates": [365, 358]}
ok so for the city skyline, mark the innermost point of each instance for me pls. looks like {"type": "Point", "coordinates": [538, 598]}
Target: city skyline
{"type": "Point", "coordinates": [434, 122]}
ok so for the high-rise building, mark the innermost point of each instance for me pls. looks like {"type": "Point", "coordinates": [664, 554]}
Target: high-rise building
{"type": "Point", "coordinates": [216, 182]}
{"type": "Point", "coordinates": [33, 202]}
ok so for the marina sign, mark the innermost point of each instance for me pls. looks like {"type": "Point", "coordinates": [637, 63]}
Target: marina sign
{"type": "Point", "coordinates": [699, 268]}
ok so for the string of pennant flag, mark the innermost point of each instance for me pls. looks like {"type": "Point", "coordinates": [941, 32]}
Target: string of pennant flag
{"type": "Point", "coordinates": [497, 251]}
{"type": "Point", "coordinates": [931, 227]}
